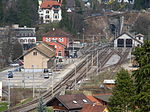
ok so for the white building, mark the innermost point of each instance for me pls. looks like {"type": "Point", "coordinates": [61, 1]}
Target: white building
{"type": "Point", "coordinates": [25, 35]}
{"type": "Point", "coordinates": [126, 40]}
{"type": "Point", "coordinates": [127, 1]}
{"type": "Point", "coordinates": [50, 11]}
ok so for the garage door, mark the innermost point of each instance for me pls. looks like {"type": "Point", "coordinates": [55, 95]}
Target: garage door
{"type": "Point", "coordinates": [120, 43]}
{"type": "Point", "coordinates": [128, 42]}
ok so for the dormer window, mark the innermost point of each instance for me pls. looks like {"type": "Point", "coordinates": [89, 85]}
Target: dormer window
{"type": "Point", "coordinates": [139, 38]}
{"type": "Point", "coordinates": [34, 53]}
{"type": "Point", "coordinates": [74, 101]}
{"type": "Point", "coordinates": [84, 100]}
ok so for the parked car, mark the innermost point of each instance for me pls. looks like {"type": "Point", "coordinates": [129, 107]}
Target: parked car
{"type": "Point", "coordinates": [46, 70]}
{"type": "Point", "coordinates": [14, 64]}
{"type": "Point", "coordinates": [10, 74]}
{"type": "Point", "coordinates": [50, 73]}
{"type": "Point", "coordinates": [46, 76]}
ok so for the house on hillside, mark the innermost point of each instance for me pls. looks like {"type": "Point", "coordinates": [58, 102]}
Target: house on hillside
{"type": "Point", "coordinates": [50, 11]}
{"type": "Point", "coordinates": [39, 57]}
{"type": "Point", "coordinates": [127, 40]}
{"type": "Point", "coordinates": [25, 35]}
{"type": "Point", "coordinates": [127, 1]}
{"type": "Point", "coordinates": [59, 39]}
{"type": "Point", "coordinates": [69, 103]}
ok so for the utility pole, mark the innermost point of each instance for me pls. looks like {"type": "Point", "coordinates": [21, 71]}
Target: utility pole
{"type": "Point", "coordinates": [73, 47]}
{"type": "Point", "coordinates": [23, 80]}
{"type": "Point", "coordinates": [93, 40]}
{"type": "Point", "coordinates": [33, 83]}
{"type": "Point", "coordinates": [92, 58]}
{"type": "Point", "coordinates": [53, 84]}
{"type": "Point", "coordinates": [86, 66]}
{"type": "Point", "coordinates": [8, 93]}
{"type": "Point", "coordinates": [83, 34]}
{"type": "Point", "coordinates": [75, 76]}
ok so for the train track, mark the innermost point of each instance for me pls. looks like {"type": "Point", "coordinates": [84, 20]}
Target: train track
{"type": "Point", "coordinates": [82, 68]}
{"type": "Point", "coordinates": [50, 93]}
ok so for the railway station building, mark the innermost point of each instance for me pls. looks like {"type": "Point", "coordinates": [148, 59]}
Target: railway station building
{"type": "Point", "coordinates": [127, 40]}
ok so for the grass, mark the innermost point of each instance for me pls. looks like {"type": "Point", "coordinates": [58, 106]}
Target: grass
{"type": "Point", "coordinates": [3, 107]}
{"type": "Point", "coordinates": [25, 101]}
{"type": "Point", "coordinates": [92, 86]}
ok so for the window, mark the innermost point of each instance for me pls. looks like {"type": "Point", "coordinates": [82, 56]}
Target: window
{"type": "Point", "coordinates": [60, 104]}
{"type": "Point", "coordinates": [84, 100]}
{"type": "Point", "coordinates": [56, 17]}
{"type": "Point", "coordinates": [47, 21]}
{"type": "Point", "coordinates": [56, 11]}
{"type": "Point", "coordinates": [47, 16]}
{"type": "Point", "coordinates": [54, 39]}
{"type": "Point", "coordinates": [74, 101]}
{"type": "Point", "coordinates": [34, 53]}
{"type": "Point", "coordinates": [139, 38]}
{"type": "Point", "coordinates": [47, 11]}
{"type": "Point", "coordinates": [61, 39]}
{"type": "Point", "coordinates": [59, 53]}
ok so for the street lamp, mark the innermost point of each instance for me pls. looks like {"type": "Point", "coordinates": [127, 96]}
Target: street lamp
{"type": "Point", "coordinates": [52, 84]}
{"type": "Point", "coordinates": [83, 34]}
{"type": "Point", "coordinates": [33, 82]}
{"type": "Point", "coordinates": [8, 93]}
{"type": "Point", "coordinates": [78, 35]}
{"type": "Point", "coordinates": [9, 75]}
{"type": "Point", "coordinates": [97, 61]}
{"type": "Point", "coordinates": [75, 76]}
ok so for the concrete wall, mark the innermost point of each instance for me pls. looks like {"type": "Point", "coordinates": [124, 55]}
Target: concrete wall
{"type": "Point", "coordinates": [35, 61]}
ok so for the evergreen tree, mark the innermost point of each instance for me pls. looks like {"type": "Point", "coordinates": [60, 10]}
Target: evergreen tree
{"type": "Point", "coordinates": [41, 107]}
{"type": "Point", "coordinates": [142, 54]}
{"type": "Point", "coordinates": [29, 12]}
{"type": "Point", "coordinates": [142, 83]}
{"type": "Point", "coordinates": [142, 78]}
{"type": "Point", "coordinates": [142, 4]}
{"type": "Point", "coordinates": [11, 16]}
{"type": "Point", "coordinates": [1, 11]}
{"type": "Point", "coordinates": [33, 9]}
{"type": "Point", "coordinates": [123, 92]}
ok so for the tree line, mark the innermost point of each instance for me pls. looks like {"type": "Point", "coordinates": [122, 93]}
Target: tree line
{"type": "Point", "coordinates": [142, 4]}
{"type": "Point", "coordinates": [22, 12]}
{"type": "Point", "coordinates": [72, 22]}
{"type": "Point", "coordinates": [132, 91]}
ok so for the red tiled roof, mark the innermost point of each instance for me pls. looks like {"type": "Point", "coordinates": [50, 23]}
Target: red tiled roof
{"type": "Point", "coordinates": [49, 4]}
{"type": "Point", "coordinates": [94, 100]}
{"type": "Point", "coordinates": [93, 108]}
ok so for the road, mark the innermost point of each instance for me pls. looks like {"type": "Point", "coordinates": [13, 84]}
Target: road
{"type": "Point", "coordinates": [25, 79]}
